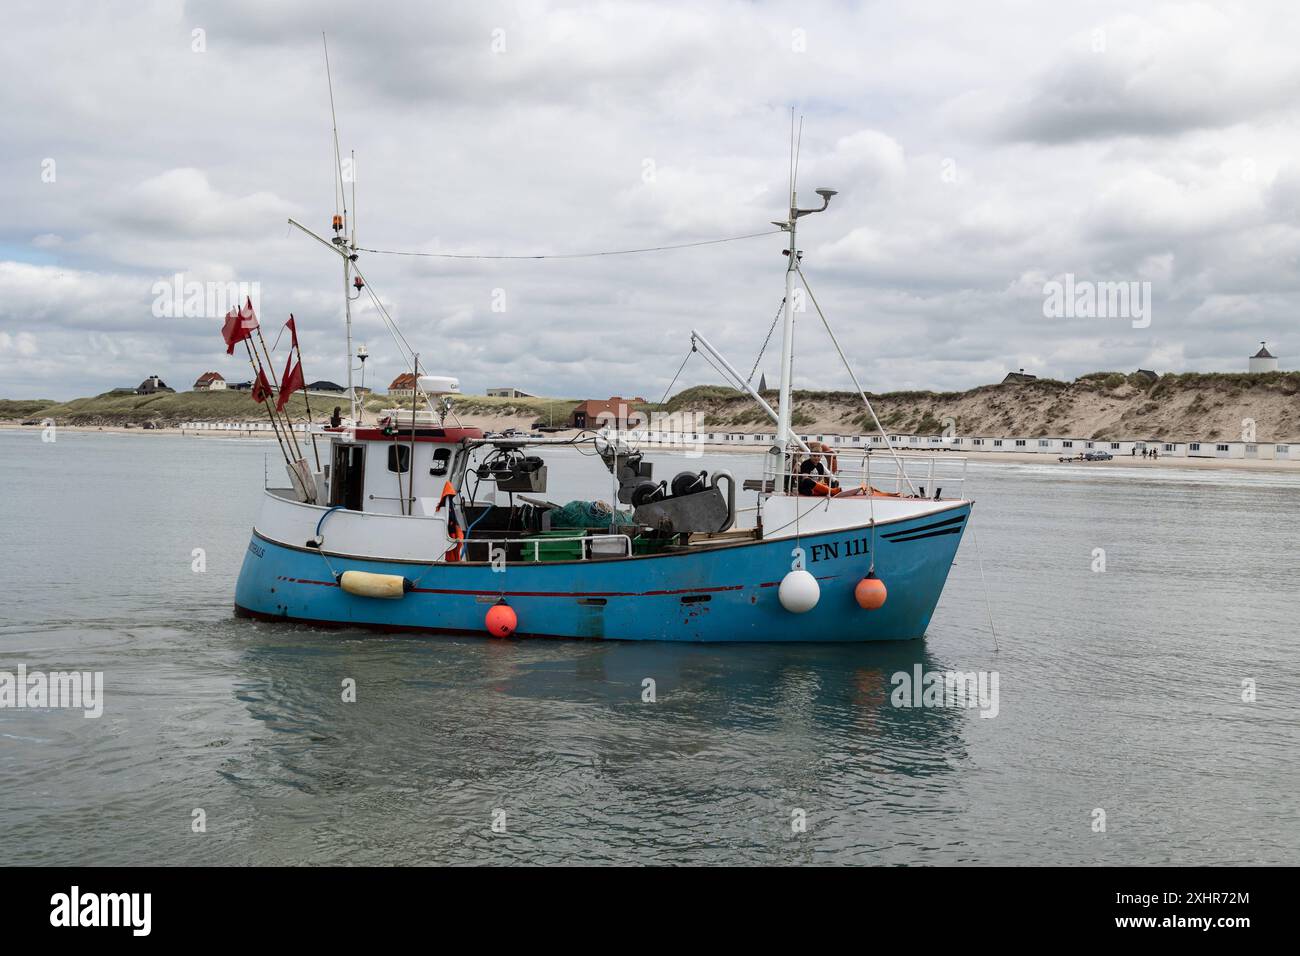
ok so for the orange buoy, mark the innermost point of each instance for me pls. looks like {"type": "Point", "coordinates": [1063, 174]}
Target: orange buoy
{"type": "Point", "coordinates": [501, 620]}
{"type": "Point", "coordinates": [870, 592]}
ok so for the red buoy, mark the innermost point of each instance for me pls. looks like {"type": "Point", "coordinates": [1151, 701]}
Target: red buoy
{"type": "Point", "coordinates": [501, 620]}
{"type": "Point", "coordinates": [870, 592]}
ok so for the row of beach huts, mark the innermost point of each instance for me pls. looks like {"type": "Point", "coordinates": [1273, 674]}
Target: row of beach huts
{"type": "Point", "coordinates": [1059, 447]}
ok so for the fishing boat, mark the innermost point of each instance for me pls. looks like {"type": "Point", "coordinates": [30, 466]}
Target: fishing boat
{"type": "Point", "coordinates": [417, 522]}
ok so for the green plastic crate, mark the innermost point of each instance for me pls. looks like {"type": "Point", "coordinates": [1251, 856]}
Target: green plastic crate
{"type": "Point", "coordinates": [556, 550]}
{"type": "Point", "coordinates": [650, 545]}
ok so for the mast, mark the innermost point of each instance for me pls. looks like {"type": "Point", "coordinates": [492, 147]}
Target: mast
{"type": "Point", "coordinates": [347, 263]}
{"type": "Point", "coordinates": [347, 313]}
{"type": "Point", "coordinates": [346, 243]}
{"type": "Point", "coordinates": [787, 337]}
{"type": "Point", "coordinates": [787, 313]}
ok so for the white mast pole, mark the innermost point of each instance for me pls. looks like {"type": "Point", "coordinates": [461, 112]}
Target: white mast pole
{"type": "Point", "coordinates": [347, 311]}
{"type": "Point", "coordinates": [787, 341]}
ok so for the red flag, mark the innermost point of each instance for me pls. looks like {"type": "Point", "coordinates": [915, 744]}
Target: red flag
{"type": "Point", "coordinates": [293, 331]}
{"type": "Point", "coordinates": [239, 326]}
{"type": "Point", "coordinates": [262, 388]}
{"type": "Point", "coordinates": [291, 382]}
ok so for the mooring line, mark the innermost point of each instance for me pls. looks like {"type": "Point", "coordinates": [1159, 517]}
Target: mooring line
{"type": "Point", "coordinates": [979, 558]}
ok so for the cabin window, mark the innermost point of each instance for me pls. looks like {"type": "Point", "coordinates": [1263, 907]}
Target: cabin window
{"type": "Point", "coordinates": [399, 458]}
{"type": "Point", "coordinates": [1169, 447]}
{"type": "Point", "coordinates": [1114, 446]}
{"type": "Point", "coordinates": [1067, 444]}
{"type": "Point", "coordinates": [1194, 446]}
{"type": "Point", "coordinates": [977, 441]}
{"type": "Point", "coordinates": [1284, 449]}
{"type": "Point", "coordinates": [1220, 447]}
{"type": "Point", "coordinates": [1020, 443]}
{"type": "Point", "coordinates": [441, 461]}
{"type": "Point", "coordinates": [997, 443]}
{"type": "Point", "coordinates": [1043, 443]}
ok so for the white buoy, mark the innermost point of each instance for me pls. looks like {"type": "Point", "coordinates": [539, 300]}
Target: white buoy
{"type": "Point", "coordinates": [799, 592]}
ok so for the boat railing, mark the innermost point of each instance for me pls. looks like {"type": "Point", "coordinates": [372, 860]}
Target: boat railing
{"type": "Point", "coordinates": [920, 476]}
{"type": "Point", "coordinates": [592, 545]}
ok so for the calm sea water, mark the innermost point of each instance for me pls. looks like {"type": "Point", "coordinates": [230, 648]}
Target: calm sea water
{"type": "Point", "coordinates": [1119, 691]}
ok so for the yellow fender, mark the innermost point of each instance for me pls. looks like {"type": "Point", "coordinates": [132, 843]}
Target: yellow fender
{"type": "Point", "coordinates": [366, 584]}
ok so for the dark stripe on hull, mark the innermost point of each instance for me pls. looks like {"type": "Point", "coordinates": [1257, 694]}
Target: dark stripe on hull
{"type": "Point", "coordinates": [896, 535]}
{"type": "Point", "coordinates": [931, 534]}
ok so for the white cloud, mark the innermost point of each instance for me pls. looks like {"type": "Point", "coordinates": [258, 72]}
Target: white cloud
{"type": "Point", "coordinates": [978, 148]}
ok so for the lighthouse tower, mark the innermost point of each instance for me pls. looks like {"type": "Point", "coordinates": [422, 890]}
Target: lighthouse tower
{"type": "Point", "coordinates": [1263, 360]}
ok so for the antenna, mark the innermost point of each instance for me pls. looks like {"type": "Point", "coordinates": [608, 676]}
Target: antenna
{"type": "Point", "coordinates": [341, 230]}
{"type": "Point", "coordinates": [798, 148]}
{"type": "Point", "coordinates": [338, 159]}
{"type": "Point", "coordinates": [790, 170]}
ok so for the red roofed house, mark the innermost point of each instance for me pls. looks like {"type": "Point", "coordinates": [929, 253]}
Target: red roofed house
{"type": "Point", "coordinates": [403, 386]}
{"type": "Point", "coordinates": [210, 382]}
{"type": "Point", "coordinates": [616, 412]}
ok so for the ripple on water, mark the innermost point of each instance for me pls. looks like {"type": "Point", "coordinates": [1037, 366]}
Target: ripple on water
{"type": "Point", "coordinates": [1120, 690]}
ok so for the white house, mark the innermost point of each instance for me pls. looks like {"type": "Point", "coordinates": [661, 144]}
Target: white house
{"type": "Point", "coordinates": [403, 386]}
{"type": "Point", "coordinates": [1220, 449]}
{"type": "Point", "coordinates": [1263, 360]}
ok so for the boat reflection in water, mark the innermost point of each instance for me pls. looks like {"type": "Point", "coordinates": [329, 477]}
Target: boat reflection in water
{"type": "Point", "coordinates": [563, 738]}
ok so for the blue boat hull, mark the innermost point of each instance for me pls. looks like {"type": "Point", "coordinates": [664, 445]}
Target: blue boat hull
{"type": "Point", "coordinates": [719, 594]}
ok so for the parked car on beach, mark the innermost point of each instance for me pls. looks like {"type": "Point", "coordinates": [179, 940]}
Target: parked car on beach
{"type": "Point", "coordinates": [1098, 456]}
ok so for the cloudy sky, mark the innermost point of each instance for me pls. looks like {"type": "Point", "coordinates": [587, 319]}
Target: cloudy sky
{"type": "Point", "coordinates": [980, 149]}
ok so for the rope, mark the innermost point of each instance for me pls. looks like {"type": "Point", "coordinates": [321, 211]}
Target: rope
{"type": "Point", "coordinates": [320, 546]}
{"type": "Point", "coordinates": [721, 374]}
{"type": "Point", "coordinates": [403, 347]}
{"type": "Point", "coordinates": [571, 255]}
{"type": "Point", "coordinates": [772, 329]}
{"type": "Point", "coordinates": [795, 520]}
{"type": "Point", "coordinates": [866, 401]}
{"type": "Point", "coordinates": [678, 375]}
{"type": "Point", "coordinates": [987, 605]}
{"type": "Point", "coordinates": [871, 507]}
